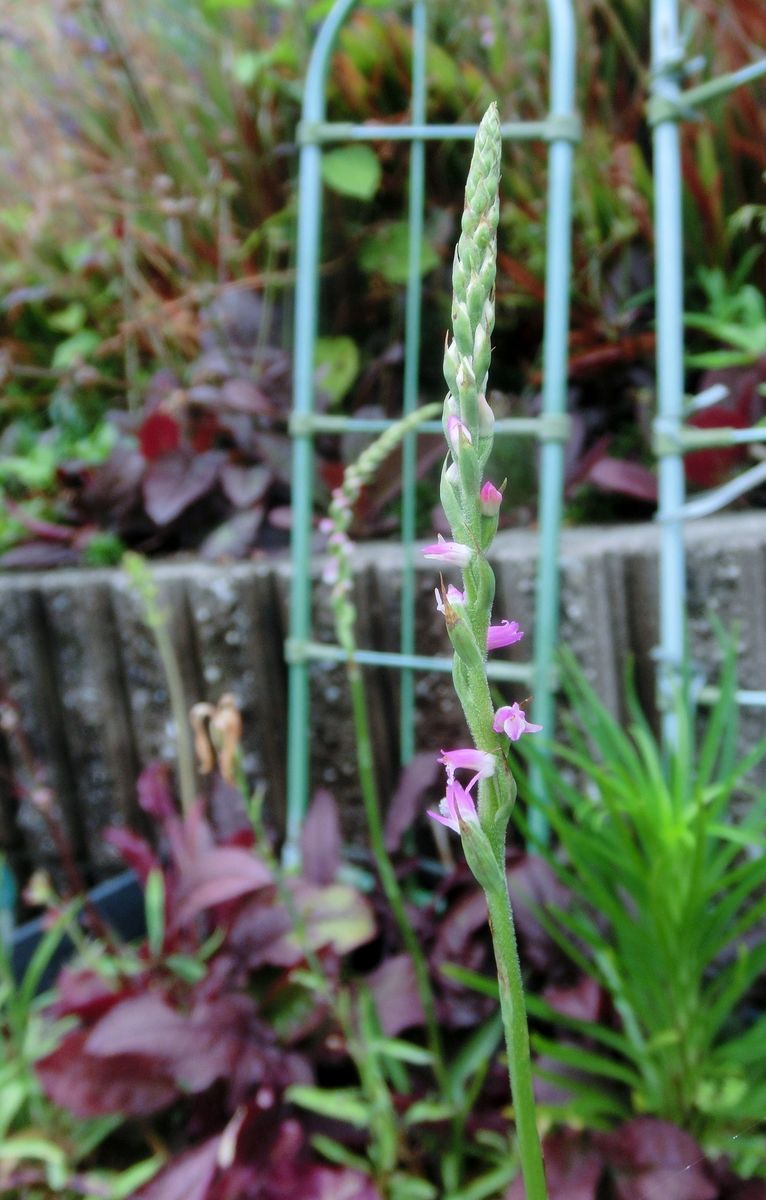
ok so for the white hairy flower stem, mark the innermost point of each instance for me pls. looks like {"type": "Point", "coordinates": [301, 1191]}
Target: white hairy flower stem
{"type": "Point", "coordinates": [466, 366]}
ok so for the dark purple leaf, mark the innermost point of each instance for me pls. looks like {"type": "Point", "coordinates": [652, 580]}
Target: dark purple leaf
{"type": "Point", "coordinates": [321, 839]}
{"type": "Point", "coordinates": [258, 935]}
{"type": "Point", "coordinates": [187, 1177]}
{"type": "Point", "coordinates": [462, 939]}
{"type": "Point", "coordinates": [176, 480]}
{"type": "Point", "coordinates": [329, 1183]}
{"type": "Point", "coordinates": [211, 1042]}
{"type": "Point", "coordinates": [134, 850]}
{"type": "Point", "coordinates": [532, 886]}
{"type": "Point", "coordinates": [408, 801]}
{"type": "Point", "coordinates": [159, 434]}
{"type": "Point", "coordinates": [648, 1142]}
{"type": "Point", "coordinates": [244, 485]}
{"type": "Point", "coordinates": [275, 451]}
{"type": "Point", "coordinates": [228, 811]}
{"type": "Point", "coordinates": [627, 478]}
{"type": "Point", "coordinates": [281, 517]}
{"type": "Point", "coordinates": [46, 530]}
{"type": "Point", "coordinates": [395, 992]}
{"type": "Point", "coordinates": [584, 1000]}
{"type": "Point", "coordinates": [241, 395]}
{"type": "Point", "coordinates": [655, 1159]}
{"type": "Point", "coordinates": [144, 1025]}
{"type": "Point", "coordinates": [40, 554]}
{"type": "Point", "coordinates": [572, 1169]}
{"type": "Point", "coordinates": [216, 876]}
{"type": "Point", "coordinates": [155, 794]}
{"type": "Point", "coordinates": [233, 538]}
{"type": "Point", "coordinates": [114, 487]}
{"type": "Point", "coordinates": [83, 993]}
{"type": "Point", "coordinates": [89, 1086]}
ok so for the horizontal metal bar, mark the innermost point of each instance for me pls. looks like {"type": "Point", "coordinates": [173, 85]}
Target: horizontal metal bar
{"type": "Point", "coordinates": [566, 127]}
{"type": "Point", "coordinates": [322, 652]}
{"type": "Point", "coordinates": [723, 84]}
{"type": "Point", "coordinates": [551, 427]}
{"type": "Point", "coordinates": [752, 699]}
{"type": "Point", "coordinates": [685, 438]}
{"type": "Point", "coordinates": [717, 498]}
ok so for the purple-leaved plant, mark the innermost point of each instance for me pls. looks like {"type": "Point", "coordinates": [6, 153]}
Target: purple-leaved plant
{"type": "Point", "coordinates": [479, 811]}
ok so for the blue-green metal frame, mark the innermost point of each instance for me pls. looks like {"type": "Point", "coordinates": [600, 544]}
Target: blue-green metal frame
{"type": "Point", "coordinates": [561, 131]}
{"type": "Point", "coordinates": [669, 104]}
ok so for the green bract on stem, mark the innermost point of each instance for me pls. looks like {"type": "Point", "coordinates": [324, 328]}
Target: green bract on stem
{"type": "Point", "coordinates": [471, 506]}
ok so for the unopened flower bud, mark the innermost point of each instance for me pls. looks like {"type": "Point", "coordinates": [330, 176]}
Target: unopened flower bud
{"type": "Point", "coordinates": [490, 499]}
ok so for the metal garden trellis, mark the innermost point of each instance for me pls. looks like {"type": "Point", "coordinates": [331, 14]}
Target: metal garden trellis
{"type": "Point", "coordinates": [669, 104]}
{"type": "Point", "coordinates": [560, 129]}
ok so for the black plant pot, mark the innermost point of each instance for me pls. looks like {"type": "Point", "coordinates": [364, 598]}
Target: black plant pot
{"type": "Point", "coordinates": [120, 901]}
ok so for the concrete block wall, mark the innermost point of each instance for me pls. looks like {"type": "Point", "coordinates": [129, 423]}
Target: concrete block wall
{"type": "Point", "coordinates": [81, 671]}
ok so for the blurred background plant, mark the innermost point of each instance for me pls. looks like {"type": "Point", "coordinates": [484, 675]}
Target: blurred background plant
{"type": "Point", "coordinates": [147, 205]}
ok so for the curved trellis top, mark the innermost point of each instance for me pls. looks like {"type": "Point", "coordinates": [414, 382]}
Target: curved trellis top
{"type": "Point", "coordinates": [560, 130]}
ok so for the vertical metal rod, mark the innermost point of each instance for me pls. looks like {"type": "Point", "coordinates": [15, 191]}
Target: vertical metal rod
{"type": "Point", "coordinates": [666, 56]}
{"type": "Point", "coordinates": [557, 273]}
{"type": "Point", "coordinates": [306, 303]}
{"type": "Point", "coordinates": [411, 377]}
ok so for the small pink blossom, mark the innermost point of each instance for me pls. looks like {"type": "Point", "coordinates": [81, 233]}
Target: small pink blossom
{"type": "Point", "coordinates": [453, 596]}
{"type": "Point", "coordinates": [512, 720]}
{"type": "Point", "coordinates": [457, 431]}
{"type": "Point", "coordinates": [449, 552]}
{"type": "Point", "coordinates": [507, 633]}
{"type": "Point", "coordinates": [479, 761]}
{"type": "Point", "coordinates": [455, 807]}
{"type": "Point", "coordinates": [490, 499]}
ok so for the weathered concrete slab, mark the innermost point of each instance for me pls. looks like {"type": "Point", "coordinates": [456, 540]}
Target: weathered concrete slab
{"type": "Point", "coordinates": [81, 668]}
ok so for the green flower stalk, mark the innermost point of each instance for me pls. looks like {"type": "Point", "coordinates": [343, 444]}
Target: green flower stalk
{"type": "Point", "coordinates": [472, 507]}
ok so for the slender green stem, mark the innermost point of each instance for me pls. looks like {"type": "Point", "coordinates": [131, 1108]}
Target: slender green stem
{"type": "Point", "coordinates": [179, 708]}
{"type": "Point", "coordinates": [140, 575]}
{"type": "Point", "coordinates": [517, 1040]}
{"type": "Point", "coordinates": [388, 879]}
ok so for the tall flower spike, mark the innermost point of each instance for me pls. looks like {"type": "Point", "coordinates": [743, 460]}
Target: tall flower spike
{"type": "Point", "coordinates": [467, 356]}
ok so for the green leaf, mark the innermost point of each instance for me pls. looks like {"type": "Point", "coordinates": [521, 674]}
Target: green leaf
{"type": "Point", "coordinates": [74, 349]}
{"type": "Point", "coordinates": [70, 319]}
{"type": "Point", "coordinates": [470, 979]}
{"type": "Point", "coordinates": [402, 1051]}
{"type": "Point", "coordinates": [30, 1145]}
{"type": "Point", "coordinates": [409, 1187]}
{"type": "Point", "coordinates": [122, 1185]}
{"type": "Point", "coordinates": [422, 1112]}
{"type": "Point", "coordinates": [336, 1153]}
{"type": "Point", "coordinates": [246, 66]}
{"type": "Point", "coordinates": [352, 171]}
{"type": "Point", "coordinates": [474, 1055]}
{"type": "Point", "coordinates": [191, 970]}
{"type": "Point", "coordinates": [386, 253]}
{"type": "Point", "coordinates": [343, 1104]}
{"type": "Point", "coordinates": [336, 365]}
{"type": "Point", "coordinates": [154, 908]}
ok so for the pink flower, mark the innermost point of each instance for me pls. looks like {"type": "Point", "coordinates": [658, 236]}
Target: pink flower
{"type": "Point", "coordinates": [490, 499]}
{"type": "Point", "coordinates": [507, 633]}
{"type": "Point", "coordinates": [453, 596]}
{"type": "Point", "coordinates": [449, 552]}
{"type": "Point", "coordinates": [512, 720]}
{"type": "Point", "coordinates": [479, 761]}
{"type": "Point", "coordinates": [457, 431]}
{"type": "Point", "coordinates": [456, 806]}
